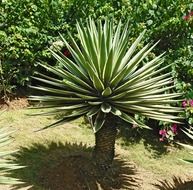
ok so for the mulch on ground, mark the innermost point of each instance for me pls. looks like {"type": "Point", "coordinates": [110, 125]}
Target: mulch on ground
{"type": "Point", "coordinates": [14, 103]}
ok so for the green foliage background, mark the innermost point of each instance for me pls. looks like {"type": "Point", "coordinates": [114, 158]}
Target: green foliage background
{"type": "Point", "coordinates": [29, 27]}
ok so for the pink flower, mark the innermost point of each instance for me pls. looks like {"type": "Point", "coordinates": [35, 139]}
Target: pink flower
{"type": "Point", "coordinates": [163, 132]}
{"type": "Point", "coordinates": [184, 103]}
{"type": "Point", "coordinates": [187, 17]}
{"type": "Point", "coordinates": [174, 128]}
{"type": "Point", "coordinates": [161, 139]}
{"type": "Point", "coordinates": [191, 103]}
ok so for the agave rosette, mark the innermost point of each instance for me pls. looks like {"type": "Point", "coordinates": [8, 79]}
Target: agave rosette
{"type": "Point", "coordinates": [105, 76]}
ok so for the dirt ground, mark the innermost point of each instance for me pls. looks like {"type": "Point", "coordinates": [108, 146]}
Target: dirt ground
{"type": "Point", "coordinates": [14, 104]}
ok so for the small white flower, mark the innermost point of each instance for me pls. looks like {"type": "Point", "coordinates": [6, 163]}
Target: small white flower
{"type": "Point", "coordinates": [57, 44]}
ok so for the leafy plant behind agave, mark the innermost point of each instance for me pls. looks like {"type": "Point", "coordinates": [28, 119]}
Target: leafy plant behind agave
{"type": "Point", "coordinates": [105, 81]}
{"type": "Point", "coordinates": [6, 165]}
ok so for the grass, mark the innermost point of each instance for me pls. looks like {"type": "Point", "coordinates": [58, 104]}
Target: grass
{"type": "Point", "coordinates": [45, 148]}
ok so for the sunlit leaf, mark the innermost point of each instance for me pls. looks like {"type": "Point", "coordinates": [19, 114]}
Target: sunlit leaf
{"type": "Point", "coordinates": [105, 76]}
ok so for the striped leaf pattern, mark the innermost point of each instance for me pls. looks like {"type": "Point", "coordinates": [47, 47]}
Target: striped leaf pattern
{"type": "Point", "coordinates": [104, 77]}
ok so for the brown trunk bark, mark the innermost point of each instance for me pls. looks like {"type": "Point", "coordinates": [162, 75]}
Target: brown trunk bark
{"type": "Point", "coordinates": [104, 150]}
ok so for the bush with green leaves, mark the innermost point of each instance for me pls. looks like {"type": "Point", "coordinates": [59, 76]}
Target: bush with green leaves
{"type": "Point", "coordinates": [105, 81]}
{"type": "Point", "coordinates": [6, 86]}
{"type": "Point", "coordinates": [28, 27]}
{"type": "Point", "coordinates": [188, 113]}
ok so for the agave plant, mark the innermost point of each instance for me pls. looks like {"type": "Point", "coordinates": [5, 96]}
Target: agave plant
{"type": "Point", "coordinates": [106, 80]}
{"type": "Point", "coordinates": [176, 184]}
{"type": "Point", "coordinates": [5, 164]}
{"type": "Point", "coordinates": [189, 133]}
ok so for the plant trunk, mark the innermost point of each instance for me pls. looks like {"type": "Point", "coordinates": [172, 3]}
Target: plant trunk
{"type": "Point", "coordinates": [104, 150]}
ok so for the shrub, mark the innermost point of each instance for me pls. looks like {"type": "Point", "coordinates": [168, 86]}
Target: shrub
{"type": "Point", "coordinates": [29, 27]}
{"type": "Point", "coordinates": [6, 88]}
{"type": "Point", "coordinates": [27, 30]}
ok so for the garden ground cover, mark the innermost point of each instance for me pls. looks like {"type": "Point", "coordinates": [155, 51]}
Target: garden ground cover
{"type": "Point", "coordinates": [53, 153]}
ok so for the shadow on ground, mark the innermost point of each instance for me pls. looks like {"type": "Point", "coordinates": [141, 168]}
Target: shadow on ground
{"type": "Point", "coordinates": [58, 166]}
{"type": "Point", "coordinates": [175, 184]}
